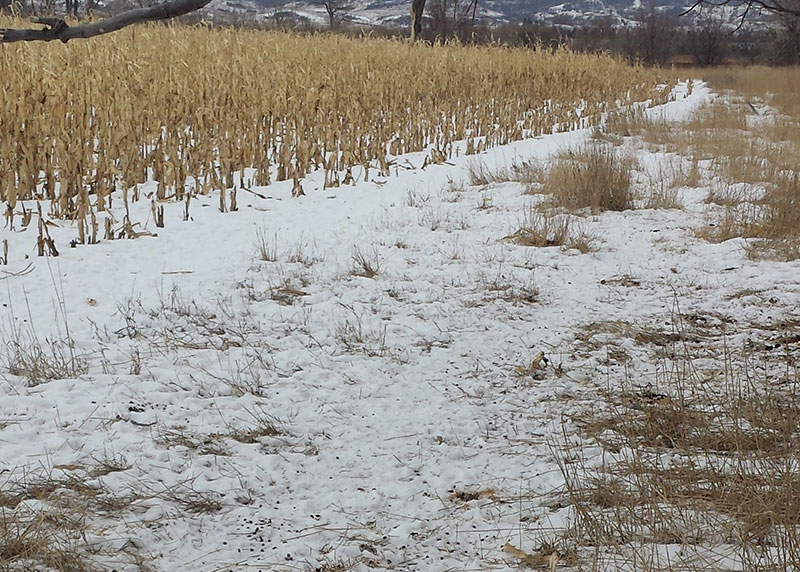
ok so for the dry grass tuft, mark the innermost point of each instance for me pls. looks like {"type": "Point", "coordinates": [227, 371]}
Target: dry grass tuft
{"type": "Point", "coordinates": [543, 229]}
{"type": "Point", "coordinates": [263, 425]}
{"type": "Point", "coordinates": [45, 520]}
{"type": "Point", "coordinates": [39, 360]}
{"type": "Point", "coordinates": [42, 361]}
{"type": "Point", "coordinates": [367, 265]}
{"type": "Point", "coordinates": [661, 187]}
{"type": "Point", "coordinates": [525, 172]}
{"type": "Point", "coordinates": [506, 285]}
{"type": "Point", "coordinates": [359, 332]}
{"type": "Point", "coordinates": [595, 176]}
{"type": "Point", "coordinates": [771, 216]}
{"type": "Point", "coordinates": [633, 122]}
{"type": "Point", "coordinates": [202, 444]}
{"type": "Point", "coordinates": [266, 248]}
{"type": "Point", "coordinates": [192, 500]}
{"type": "Point", "coordinates": [27, 541]}
{"type": "Point", "coordinates": [781, 217]}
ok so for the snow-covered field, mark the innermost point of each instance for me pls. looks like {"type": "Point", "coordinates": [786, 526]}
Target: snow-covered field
{"type": "Point", "coordinates": [363, 398]}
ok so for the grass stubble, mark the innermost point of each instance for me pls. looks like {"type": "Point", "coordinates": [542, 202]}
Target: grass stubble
{"type": "Point", "coordinates": [699, 471]}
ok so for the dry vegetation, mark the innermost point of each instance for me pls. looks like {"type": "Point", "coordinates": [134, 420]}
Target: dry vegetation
{"type": "Point", "coordinates": [597, 177]}
{"type": "Point", "coordinates": [704, 463]}
{"type": "Point", "coordinates": [543, 228]}
{"type": "Point", "coordinates": [770, 207]}
{"type": "Point", "coordinates": [688, 465]}
{"type": "Point", "coordinates": [45, 519]}
{"type": "Point", "coordinates": [192, 108]}
{"type": "Point", "coordinates": [593, 178]}
{"type": "Point", "coordinates": [745, 147]}
{"type": "Point", "coordinates": [50, 516]}
{"type": "Point", "coordinates": [700, 470]}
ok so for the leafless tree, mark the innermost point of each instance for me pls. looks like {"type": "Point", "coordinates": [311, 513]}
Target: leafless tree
{"type": "Point", "coordinates": [453, 17]}
{"type": "Point", "coordinates": [786, 13]}
{"type": "Point", "coordinates": [788, 34]}
{"type": "Point", "coordinates": [335, 10]}
{"type": "Point", "coordinates": [652, 40]}
{"type": "Point", "coordinates": [709, 39]}
{"type": "Point", "coordinates": [58, 29]}
{"type": "Point", "coordinates": [788, 41]}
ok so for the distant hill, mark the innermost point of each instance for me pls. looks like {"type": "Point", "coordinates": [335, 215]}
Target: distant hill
{"type": "Point", "coordinates": [395, 12]}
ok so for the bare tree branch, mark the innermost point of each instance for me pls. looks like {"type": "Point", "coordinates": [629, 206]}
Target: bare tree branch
{"type": "Point", "coordinates": [773, 6]}
{"type": "Point", "coordinates": [57, 29]}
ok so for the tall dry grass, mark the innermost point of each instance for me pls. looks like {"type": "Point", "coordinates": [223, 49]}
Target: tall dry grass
{"type": "Point", "coordinates": [705, 459]}
{"type": "Point", "coordinates": [770, 212]}
{"type": "Point", "coordinates": [748, 143]}
{"type": "Point", "coordinates": [192, 107]}
{"type": "Point", "coordinates": [595, 176]}
{"type": "Point", "coordinates": [777, 86]}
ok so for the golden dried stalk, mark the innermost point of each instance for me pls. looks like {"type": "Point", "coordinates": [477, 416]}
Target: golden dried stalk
{"type": "Point", "coordinates": [281, 104]}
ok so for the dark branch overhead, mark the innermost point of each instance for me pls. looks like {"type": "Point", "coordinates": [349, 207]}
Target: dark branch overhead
{"type": "Point", "coordinates": [57, 29]}
{"type": "Point", "coordinates": [787, 7]}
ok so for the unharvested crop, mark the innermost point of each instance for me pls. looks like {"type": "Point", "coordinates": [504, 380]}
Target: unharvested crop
{"type": "Point", "coordinates": [198, 109]}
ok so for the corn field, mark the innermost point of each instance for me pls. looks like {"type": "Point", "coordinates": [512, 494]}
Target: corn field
{"type": "Point", "coordinates": [198, 109]}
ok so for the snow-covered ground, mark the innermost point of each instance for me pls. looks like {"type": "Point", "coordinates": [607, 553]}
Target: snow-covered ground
{"type": "Point", "coordinates": [296, 414]}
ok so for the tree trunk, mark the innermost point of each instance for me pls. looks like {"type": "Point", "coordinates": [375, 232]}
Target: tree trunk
{"type": "Point", "coordinates": [331, 10]}
{"type": "Point", "coordinates": [417, 8]}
